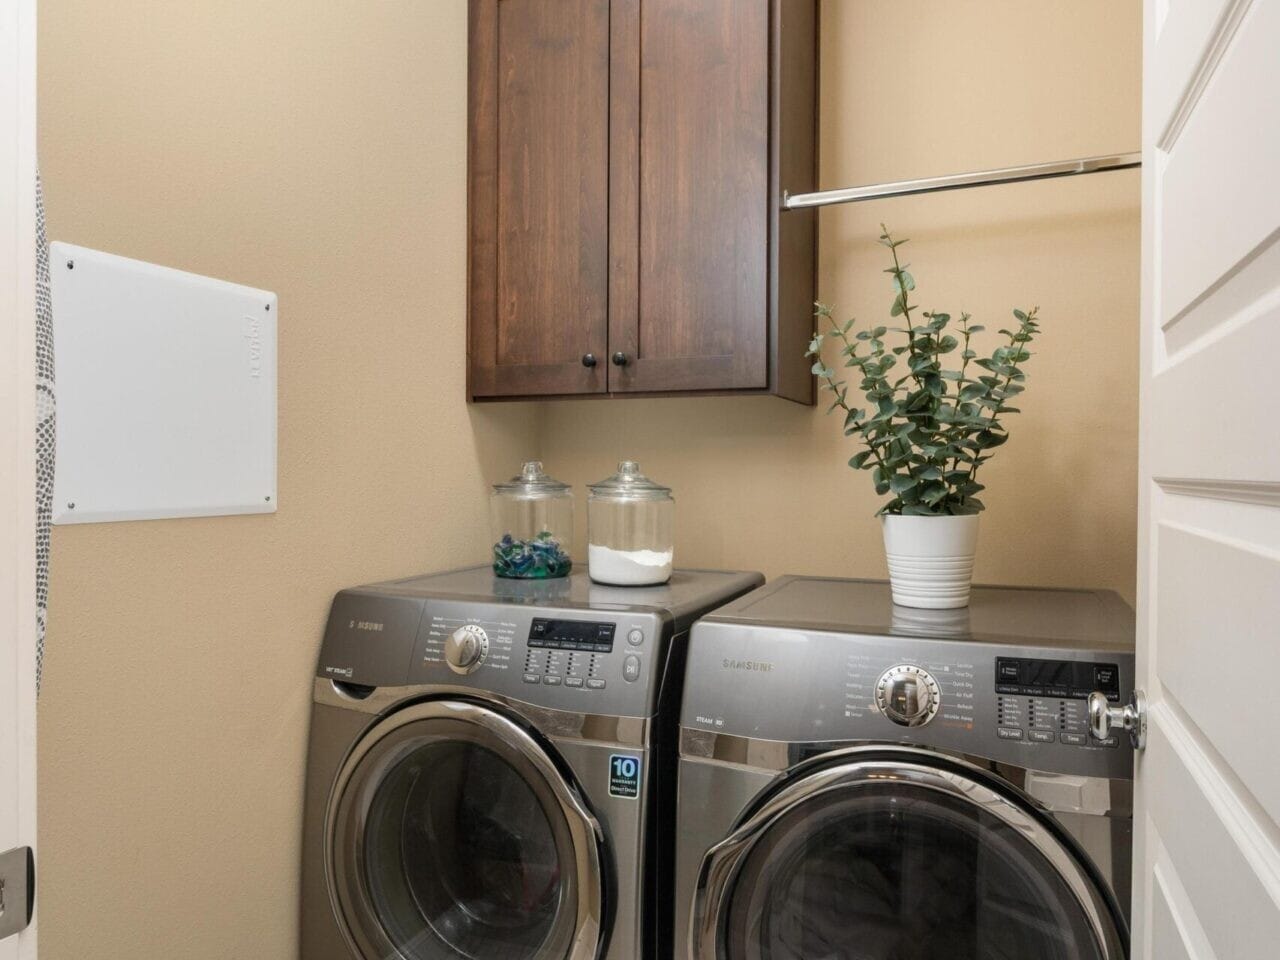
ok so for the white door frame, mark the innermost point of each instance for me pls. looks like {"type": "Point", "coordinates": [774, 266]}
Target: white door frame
{"type": "Point", "coordinates": [17, 440]}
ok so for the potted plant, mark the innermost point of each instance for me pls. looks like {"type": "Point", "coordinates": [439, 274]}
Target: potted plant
{"type": "Point", "coordinates": [934, 412]}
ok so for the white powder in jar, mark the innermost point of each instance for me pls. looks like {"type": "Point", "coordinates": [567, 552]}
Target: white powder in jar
{"type": "Point", "coordinates": [628, 568]}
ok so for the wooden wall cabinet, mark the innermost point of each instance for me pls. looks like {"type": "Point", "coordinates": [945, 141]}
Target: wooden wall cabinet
{"type": "Point", "coordinates": [627, 162]}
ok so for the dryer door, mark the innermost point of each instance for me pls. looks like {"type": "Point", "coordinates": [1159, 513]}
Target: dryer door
{"type": "Point", "coordinates": [452, 834]}
{"type": "Point", "coordinates": [887, 858]}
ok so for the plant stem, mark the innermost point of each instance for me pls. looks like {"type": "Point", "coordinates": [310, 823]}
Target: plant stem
{"type": "Point", "coordinates": [995, 414]}
{"type": "Point", "coordinates": [831, 381]}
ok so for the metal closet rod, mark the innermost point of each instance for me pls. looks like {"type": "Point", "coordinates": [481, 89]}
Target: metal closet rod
{"type": "Point", "coordinates": [962, 181]}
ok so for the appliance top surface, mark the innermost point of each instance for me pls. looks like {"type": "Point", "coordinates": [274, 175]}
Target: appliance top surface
{"type": "Point", "coordinates": [1094, 620]}
{"type": "Point", "coordinates": [686, 595]}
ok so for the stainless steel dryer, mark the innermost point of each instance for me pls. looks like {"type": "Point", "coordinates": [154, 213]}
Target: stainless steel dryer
{"type": "Point", "coordinates": [860, 781]}
{"type": "Point", "coordinates": [490, 764]}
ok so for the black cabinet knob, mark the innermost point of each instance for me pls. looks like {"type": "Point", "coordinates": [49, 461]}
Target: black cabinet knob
{"type": "Point", "coordinates": [620, 359]}
{"type": "Point", "coordinates": [588, 359]}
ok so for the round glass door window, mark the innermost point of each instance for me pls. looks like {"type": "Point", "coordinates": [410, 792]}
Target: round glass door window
{"type": "Point", "coordinates": [895, 871]}
{"type": "Point", "coordinates": [452, 843]}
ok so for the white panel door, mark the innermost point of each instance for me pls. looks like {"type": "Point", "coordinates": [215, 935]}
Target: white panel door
{"type": "Point", "coordinates": [17, 457]}
{"type": "Point", "coordinates": [1207, 861]}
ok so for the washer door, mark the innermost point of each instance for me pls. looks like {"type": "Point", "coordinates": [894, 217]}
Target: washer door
{"type": "Point", "coordinates": [899, 859]}
{"type": "Point", "coordinates": [452, 834]}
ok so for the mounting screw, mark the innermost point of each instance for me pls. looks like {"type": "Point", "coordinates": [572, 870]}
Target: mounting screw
{"type": "Point", "coordinates": [268, 308]}
{"type": "Point", "coordinates": [71, 264]}
{"type": "Point", "coordinates": [71, 505]}
{"type": "Point", "coordinates": [268, 499]}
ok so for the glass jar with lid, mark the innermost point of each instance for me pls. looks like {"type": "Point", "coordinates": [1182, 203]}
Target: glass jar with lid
{"type": "Point", "coordinates": [531, 516]}
{"type": "Point", "coordinates": [630, 529]}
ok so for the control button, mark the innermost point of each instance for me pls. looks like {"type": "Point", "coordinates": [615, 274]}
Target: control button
{"type": "Point", "coordinates": [1007, 688]}
{"type": "Point", "coordinates": [573, 681]}
{"type": "Point", "coordinates": [1042, 736]}
{"type": "Point", "coordinates": [1009, 733]}
{"type": "Point", "coordinates": [531, 678]}
{"type": "Point", "coordinates": [631, 668]}
{"type": "Point", "coordinates": [551, 680]}
{"type": "Point", "coordinates": [595, 684]}
{"type": "Point", "coordinates": [1107, 742]}
{"type": "Point", "coordinates": [1072, 739]}
{"type": "Point", "coordinates": [635, 637]}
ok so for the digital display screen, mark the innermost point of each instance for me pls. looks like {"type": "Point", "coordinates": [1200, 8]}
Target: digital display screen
{"type": "Point", "coordinates": [572, 635]}
{"type": "Point", "coordinates": [1062, 679]}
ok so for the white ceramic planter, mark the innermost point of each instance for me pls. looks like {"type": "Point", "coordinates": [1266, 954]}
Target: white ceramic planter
{"type": "Point", "coordinates": [930, 560]}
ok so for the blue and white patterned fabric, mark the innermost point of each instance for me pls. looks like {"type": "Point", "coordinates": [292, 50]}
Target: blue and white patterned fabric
{"type": "Point", "coordinates": [46, 410]}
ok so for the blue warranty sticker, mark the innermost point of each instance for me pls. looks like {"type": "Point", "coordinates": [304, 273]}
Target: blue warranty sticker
{"type": "Point", "coordinates": [624, 776]}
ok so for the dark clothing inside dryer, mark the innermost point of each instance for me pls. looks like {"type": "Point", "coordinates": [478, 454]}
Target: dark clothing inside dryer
{"type": "Point", "coordinates": [461, 858]}
{"type": "Point", "coordinates": [898, 872]}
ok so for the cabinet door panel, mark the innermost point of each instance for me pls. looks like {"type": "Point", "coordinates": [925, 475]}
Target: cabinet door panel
{"type": "Point", "coordinates": [702, 235]}
{"type": "Point", "coordinates": [539, 162]}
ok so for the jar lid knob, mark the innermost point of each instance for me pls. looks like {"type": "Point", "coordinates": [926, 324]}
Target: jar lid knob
{"type": "Point", "coordinates": [531, 480]}
{"type": "Point", "coordinates": [629, 482]}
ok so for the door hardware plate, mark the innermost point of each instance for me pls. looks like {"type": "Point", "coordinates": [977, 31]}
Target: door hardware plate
{"type": "Point", "coordinates": [17, 890]}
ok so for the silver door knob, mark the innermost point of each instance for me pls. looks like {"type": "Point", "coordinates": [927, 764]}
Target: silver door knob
{"type": "Point", "coordinates": [1105, 719]}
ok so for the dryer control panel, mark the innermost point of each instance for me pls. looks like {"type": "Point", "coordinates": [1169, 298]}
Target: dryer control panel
{"type": "Point", "coordinates": [1046, 701]}
{"type": "Point", "coordinates": [1013, 705]}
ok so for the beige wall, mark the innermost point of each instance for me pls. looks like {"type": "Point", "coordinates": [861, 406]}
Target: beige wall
{"type": "Point", "coordinates": [914, 89]}
{"type": "Point", "coordinates": [318, 150]}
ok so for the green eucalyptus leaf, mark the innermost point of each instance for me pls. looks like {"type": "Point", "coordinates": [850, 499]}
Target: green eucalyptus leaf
{"type": "Point", "coordinates": [900, 483]}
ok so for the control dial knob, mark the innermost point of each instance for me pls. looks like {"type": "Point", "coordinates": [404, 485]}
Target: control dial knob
{"type": "Point", "coordinates": [907, 695]}
{"type": "Point", "coordinates": [466, 648]}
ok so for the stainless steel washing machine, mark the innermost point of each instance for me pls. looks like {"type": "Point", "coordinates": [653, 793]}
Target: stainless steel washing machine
{"type": "Point", "coordinates": [860, 781]}
{"type": "Point", "coordinates": [490, 765]}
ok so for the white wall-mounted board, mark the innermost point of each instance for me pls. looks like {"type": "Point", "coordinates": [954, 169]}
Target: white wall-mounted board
{"type": "Point", "coordinates": [166, 385]}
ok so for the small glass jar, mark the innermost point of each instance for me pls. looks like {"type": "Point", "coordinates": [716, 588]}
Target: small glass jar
{"type": "Point", "coordinates": [630, 529]}
{"type": "Point", "coordinates": [531, 516]}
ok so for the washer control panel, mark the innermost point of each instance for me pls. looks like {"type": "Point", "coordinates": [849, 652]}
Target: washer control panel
{"type": "Point", "coordinates": [582, 660]}
{"type": "Point", "coordinates": [570, 652]}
